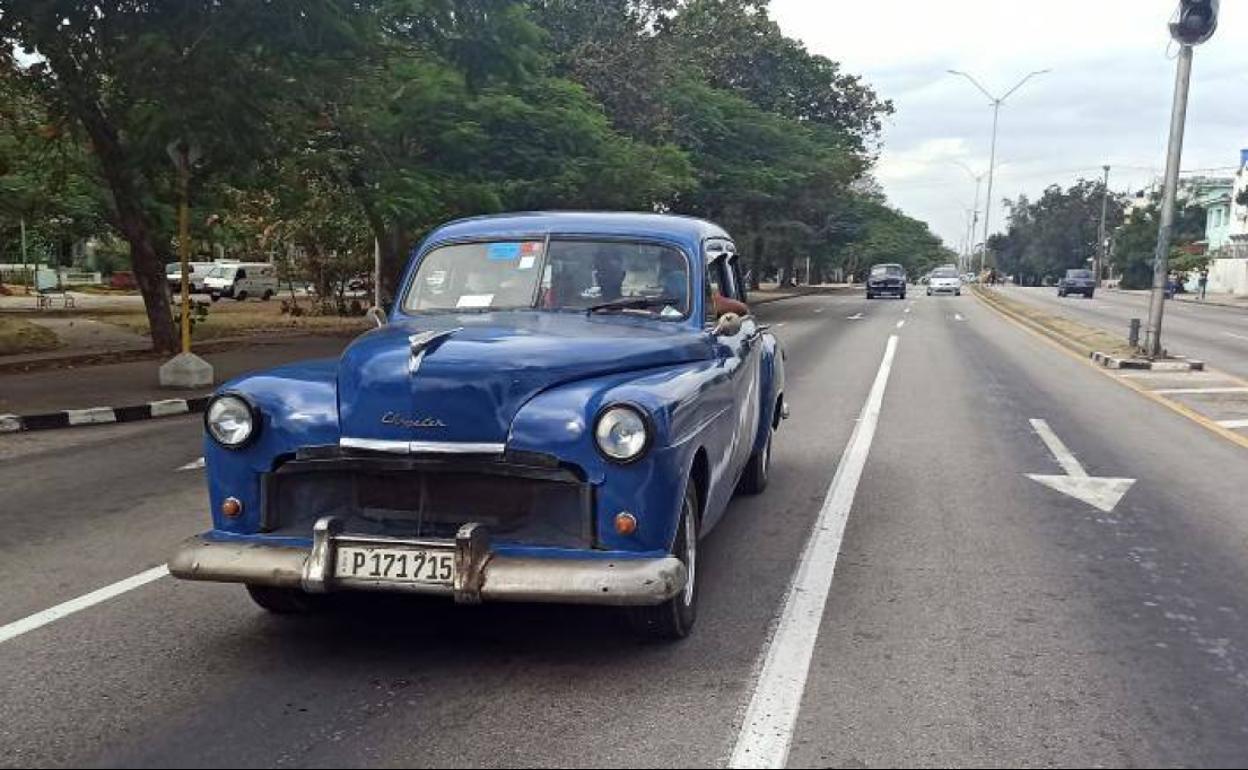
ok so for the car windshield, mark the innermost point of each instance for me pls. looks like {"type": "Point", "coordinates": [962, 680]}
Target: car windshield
{"type": "Point", "coordinates": [1078, 273]}
{"type": "Point", "coordinates": [567, 275]}
{"type": "Point", "coordinates": [944, 273]}
{"type": "Point", "coordinates": [886, 270]}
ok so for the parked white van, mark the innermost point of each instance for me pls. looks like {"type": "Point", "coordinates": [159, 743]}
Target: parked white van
{"type": "Point", "coordinates": [241, 280]}
{"type": "Point", "coordinates": [198, 272]}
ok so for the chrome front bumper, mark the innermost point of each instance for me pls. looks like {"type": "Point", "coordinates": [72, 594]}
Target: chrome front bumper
{"type": "Point", "coordinates": [480, 574]}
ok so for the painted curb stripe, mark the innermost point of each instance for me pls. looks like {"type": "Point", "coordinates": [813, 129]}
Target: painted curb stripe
{"type": "Point", "coordinates": [102, 415]}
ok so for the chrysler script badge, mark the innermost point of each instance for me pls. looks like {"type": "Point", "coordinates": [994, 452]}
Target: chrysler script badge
{"type": "Point", "coordinates": [394, 418]}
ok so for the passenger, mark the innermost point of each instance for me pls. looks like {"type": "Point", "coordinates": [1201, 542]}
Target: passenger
{"type": "Point", "coordinates": [609, 272]}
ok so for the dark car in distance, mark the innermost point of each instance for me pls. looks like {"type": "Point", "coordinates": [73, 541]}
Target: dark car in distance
{"type": "Point", "coordinates": [886, 279]}
{"type": "Point", "coordinates": [1077, 282]}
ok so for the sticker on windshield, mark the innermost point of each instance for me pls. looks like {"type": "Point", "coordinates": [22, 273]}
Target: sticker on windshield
{"type": "Point", "coordinates": [526, 263]}
{"type": "Point", "coordinates": [503, 252]}
{"type": "Point", "coordinates": [475, 300]}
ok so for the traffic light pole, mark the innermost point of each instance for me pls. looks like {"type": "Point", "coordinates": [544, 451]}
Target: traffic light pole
{"type": "Point", "coordinates": [1165, 231]}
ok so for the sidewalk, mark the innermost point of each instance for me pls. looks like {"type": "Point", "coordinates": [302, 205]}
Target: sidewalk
{"type": "Point", "coordinates": [1236, 301]}
{"type": "Point", "coordinates": [135, 382]}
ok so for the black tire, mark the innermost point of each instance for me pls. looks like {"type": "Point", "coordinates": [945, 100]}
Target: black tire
{"type": "Point", "coordinates": [957, 293]}
{"type": "Point", "coordinates": [674, 618]}
{"type": "Point", "coordinates": [1089, 295]}
{"type": "Point", "coordinates": [268, 295]}
{"type": "Point", "coordinates": [870, 295]}
{"type": "Point", "coordinates": [758, 469]}
{"type": "Point", "coordinates": [241, 296]}
{"type": "Point", "coordinates": [287, 601]}
{"type": "Point", "coordinates": [1061, 293]}
{"type": "Point", "coordinates": [929, 292]}
{"type": "Point", "coordinates": [901, 296]}
{"type": "Point", "coordinates": [215, 297]}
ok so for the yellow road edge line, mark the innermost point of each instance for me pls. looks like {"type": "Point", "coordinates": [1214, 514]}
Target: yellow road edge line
{"type": "Point", "coordinates": [1052, 339]}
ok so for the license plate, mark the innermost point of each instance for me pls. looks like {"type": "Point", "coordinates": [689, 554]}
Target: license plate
{"type": "Point", "coordinates": [395, 565]}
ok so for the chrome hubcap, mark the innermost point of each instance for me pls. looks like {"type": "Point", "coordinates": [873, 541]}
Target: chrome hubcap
{"type": "Point", "coordinates": [691, 551]}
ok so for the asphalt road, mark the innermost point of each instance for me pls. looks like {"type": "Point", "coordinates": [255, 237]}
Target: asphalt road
{"type": "Point", "coordinates": [975, 616]}
{"type": "Point", "coordinates": [1212, 333]}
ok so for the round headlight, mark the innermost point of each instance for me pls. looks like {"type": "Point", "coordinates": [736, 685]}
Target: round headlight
{"type": "Point", "coordinates": [231, 421]}
{"type": "Point", "coordinates": [621, 433]}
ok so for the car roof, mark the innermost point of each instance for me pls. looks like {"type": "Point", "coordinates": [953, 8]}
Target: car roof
{"type": "Point", "coordinates": [671, 227]}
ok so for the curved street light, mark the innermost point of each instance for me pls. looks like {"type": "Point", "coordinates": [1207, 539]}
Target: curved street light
{"type": "Point", "coordinates": [996, 102]}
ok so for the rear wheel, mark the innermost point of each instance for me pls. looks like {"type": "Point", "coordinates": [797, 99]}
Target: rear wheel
{"type": "Point", "coordinates": [286, 601]}
{"type": "Point", "coordinates": [241, 296]}
{"type": "Point", "coordinates": [268, 295]}
{"type": "Point", "coordinates": [674, 618]}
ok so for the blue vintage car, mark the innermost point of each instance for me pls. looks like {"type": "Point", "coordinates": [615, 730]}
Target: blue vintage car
{"type": "Point", "coordinates": [554, 411]}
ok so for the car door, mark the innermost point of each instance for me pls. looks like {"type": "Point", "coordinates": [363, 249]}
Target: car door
{"type": "Point", "coordinates": [734, 391]}
{"type": "Point", "coordinates": [749, 383]}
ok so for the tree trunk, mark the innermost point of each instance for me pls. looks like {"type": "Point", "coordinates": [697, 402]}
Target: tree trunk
{"type": "Point", "coordinates": [128, 214]}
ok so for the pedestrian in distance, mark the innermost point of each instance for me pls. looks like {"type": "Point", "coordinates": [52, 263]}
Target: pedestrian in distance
{"type": "Point", "coordinates": [1203, 282]}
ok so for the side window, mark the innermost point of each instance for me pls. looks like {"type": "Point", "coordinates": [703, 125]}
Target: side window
{"type": "Point", "coordinates": [240, 275]}
{"type": "Point", "coordinates": [716, 283]}
{"type": "Point", "coordinates": [738, 280]}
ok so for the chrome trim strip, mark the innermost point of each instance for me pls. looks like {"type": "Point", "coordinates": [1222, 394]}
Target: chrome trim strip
{"type": "Point", "coordinates": [422, 447]}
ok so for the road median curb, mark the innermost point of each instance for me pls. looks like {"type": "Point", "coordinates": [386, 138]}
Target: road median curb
{"type": "Point", "coordinates": [1178, 400]}
{"type": "Point", "coordinates": [101, 415]}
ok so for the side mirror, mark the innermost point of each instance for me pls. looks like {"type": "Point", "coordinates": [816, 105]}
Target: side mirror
{"type": "Point", "coordinates": [376, 315]}
{"type": "Point", "coordinates": [728, 325]}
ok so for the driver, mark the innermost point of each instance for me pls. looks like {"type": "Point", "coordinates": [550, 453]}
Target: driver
{"type": "Point", "coordinates": [609, 272]}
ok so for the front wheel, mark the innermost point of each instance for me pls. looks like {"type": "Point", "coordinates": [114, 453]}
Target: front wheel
{"type": "Point", "coordinates": [241, 296]}
{"type": "Point", "coordinates": [286, 601]}
{"type": "Point", "coordinates": [870, 295]}
{"type": "Point", "coordinates": [268, 295]}
{"type": "Point", "coordinates": [674, 618]}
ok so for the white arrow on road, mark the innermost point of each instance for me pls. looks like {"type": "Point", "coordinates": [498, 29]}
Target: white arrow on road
{"type": "Point", "coordinates": [1100, 492]}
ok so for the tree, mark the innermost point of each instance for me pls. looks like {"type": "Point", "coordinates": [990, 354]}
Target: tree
{"type": "Point", "coordinates": [134, 77]}
{"type": "Point", "coordinates": [1054, 233]}
{"type": "Point", "coordinates": [1135, 242]}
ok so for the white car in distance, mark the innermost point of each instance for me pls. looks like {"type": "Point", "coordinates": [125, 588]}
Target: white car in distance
{"type": "Point", "coordinates": [944, 280]}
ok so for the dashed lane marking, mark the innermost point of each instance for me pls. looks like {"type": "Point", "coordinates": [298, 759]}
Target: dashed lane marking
{"type": "Point", "coordinates": [901, 323]}
{"type": "Point", "coordinates": [1233, 424]}
{"type": "Point", "coordinates": [65, 609]}
{"type": "Point", "coordinates": [767, 730]}
{"type": "Point", "coordinates": [195, 465]}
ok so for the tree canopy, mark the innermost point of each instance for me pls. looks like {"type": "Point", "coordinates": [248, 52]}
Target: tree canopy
{"type": "Point", "coordinates": [321, 128]}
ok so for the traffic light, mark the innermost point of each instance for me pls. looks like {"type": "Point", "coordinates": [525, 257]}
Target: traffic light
{"type": "Point", "coordinates": [1197, 19]}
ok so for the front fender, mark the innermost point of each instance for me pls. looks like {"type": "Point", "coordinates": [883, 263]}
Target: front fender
{"type": "Point", "coordinates": [678, 400]}
{"type": "Point", "coordinates": [298, 407]}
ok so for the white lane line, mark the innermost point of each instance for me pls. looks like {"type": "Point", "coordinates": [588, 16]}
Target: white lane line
{"type": "Point", "coordinates": [854, 317]}
{"type": "Point", "coordinates": [778, 326]}
{"type": "Point", "coordinates": [1233, 424]}
{"type": "Point", "coordinates": [1197, 391]}
{"type": "Point", "coordinates": [818, 310]}
{"type": "Point", "coordinates": [767, 730]}
{"type": "Point", "coordinates": [958, 317]}
{"type": "Point", "coordinates": [1064, 456]}
{"type": "Point", "coordinates": [195, 465]}
{"type": "Point", "coordinates": [901, 323]}
{"type": "Point", "coordinates": [53, 614]}
{"type": "Point", "coordinates": [1236, 336]}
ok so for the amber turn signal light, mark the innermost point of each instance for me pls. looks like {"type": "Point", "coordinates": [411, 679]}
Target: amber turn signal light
{"type": "Point", "coordinates": [231, 507]}
{"type": "Point", "coordinates": [625, 523]}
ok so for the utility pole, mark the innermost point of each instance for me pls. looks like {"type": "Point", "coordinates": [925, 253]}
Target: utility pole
{"type": "Point", "coordinates": [1196, 22]}
{"type": "Point", "coordinates": [185, 370]}
{"type": "Point", "coordinates": [1100, 243]}
{"type": "Point", "coordinates": [996, 102]}
{"type": "Point", "coordinates": [29, 279]}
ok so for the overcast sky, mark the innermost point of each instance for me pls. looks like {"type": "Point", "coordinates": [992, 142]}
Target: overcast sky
{"type": "Point", "coordinates": [1107, 99]}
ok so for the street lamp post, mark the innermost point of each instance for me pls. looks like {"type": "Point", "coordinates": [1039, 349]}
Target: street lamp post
{"type": "Point", "coordinates": [1100, 243]}
{"type": "Point", "coordinates": [996, 102]}
{"type": "Point", "coordinates": [970, 236]}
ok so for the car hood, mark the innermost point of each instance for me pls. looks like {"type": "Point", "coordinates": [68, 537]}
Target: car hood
{"type": "Point", "coordinates": [467, 386]}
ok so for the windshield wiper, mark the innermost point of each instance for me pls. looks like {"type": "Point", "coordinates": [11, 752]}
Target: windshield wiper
{"type": "Point", "coordinates": [629, 303]}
